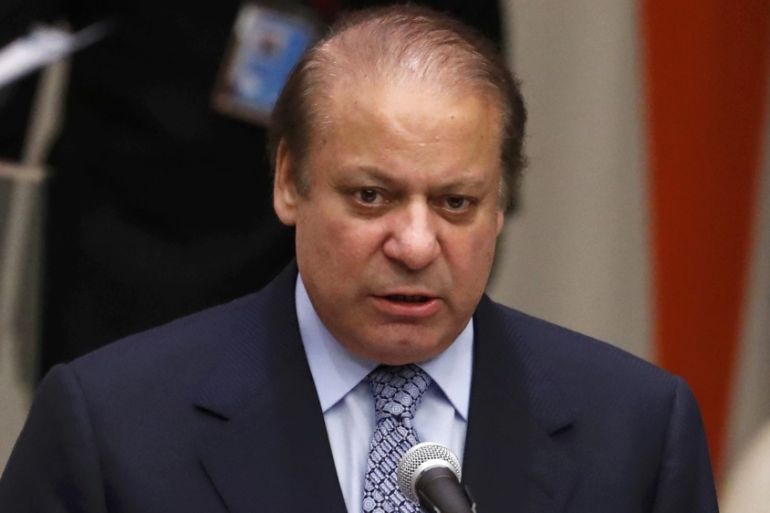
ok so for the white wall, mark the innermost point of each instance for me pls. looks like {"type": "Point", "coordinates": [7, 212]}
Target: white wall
{"type": "Point", "coordinates": [576, 254]}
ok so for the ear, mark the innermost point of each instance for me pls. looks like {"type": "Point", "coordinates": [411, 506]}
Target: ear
{"type": "Point", "coordinates": [285, 195]}
{"type": "Point", "coordinates": [500, 220]}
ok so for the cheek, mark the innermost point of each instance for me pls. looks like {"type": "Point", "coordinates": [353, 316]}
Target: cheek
{"type": "Point", "coordinates": [478, 245]}
{"type": "Point", "coordinates": [337, 241]}
{"type": "Point", "coordinates": [471, 257]}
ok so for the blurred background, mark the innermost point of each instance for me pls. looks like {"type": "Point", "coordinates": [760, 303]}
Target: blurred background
{"type": "Point", "coordinates": [129, 196]}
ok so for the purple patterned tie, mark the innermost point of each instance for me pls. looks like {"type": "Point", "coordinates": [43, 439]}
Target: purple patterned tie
{"type": "Point", "coordinates": [397, 392]}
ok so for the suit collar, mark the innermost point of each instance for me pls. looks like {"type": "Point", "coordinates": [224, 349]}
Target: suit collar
{"type": "Point", "coordinates": [266, 436]}
{"type": "Point", "coordinates": [518, 422]}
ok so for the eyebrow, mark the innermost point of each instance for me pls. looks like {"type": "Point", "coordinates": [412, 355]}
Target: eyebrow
{"type": "Point", "coordinates": [376, 174]}
{"type": "Point", "coordinates": [381, 177]}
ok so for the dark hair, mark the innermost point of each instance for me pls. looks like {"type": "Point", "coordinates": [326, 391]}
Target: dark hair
{"type": "Point", "coordinates": [399, 40]}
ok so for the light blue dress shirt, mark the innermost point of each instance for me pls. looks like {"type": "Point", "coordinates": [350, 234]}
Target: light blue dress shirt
{"type": "Point", "coordinates": [348, 406]}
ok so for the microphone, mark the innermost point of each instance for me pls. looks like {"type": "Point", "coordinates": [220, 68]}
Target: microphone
{"type": "Point", "coordinates": [429, 474]}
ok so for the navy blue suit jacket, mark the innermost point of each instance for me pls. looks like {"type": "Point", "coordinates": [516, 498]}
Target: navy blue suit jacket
{"type": "Point", "coordinates": [217, 412]}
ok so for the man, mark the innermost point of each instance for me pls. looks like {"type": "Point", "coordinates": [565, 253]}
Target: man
{"type": "Point", "coordinates": [397, 148]}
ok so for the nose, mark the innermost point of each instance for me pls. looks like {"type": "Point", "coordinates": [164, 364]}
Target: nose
{"type": "Point", "coordinates": [413, 239]}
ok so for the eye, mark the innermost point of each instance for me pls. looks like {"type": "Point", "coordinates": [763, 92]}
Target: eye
{"type": "Point", "coordinates": [368, 196]}
{"type": "Point", "coordinates": [457, 203]}
{"type": "Point", "coordinates": [371, 197]}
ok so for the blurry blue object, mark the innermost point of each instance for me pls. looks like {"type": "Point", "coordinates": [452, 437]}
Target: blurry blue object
{"type": "Point", "coordinates": [267, 44]}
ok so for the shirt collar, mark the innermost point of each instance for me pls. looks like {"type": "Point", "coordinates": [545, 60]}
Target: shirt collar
{"type": "Point", "coordinates": [336, 371]}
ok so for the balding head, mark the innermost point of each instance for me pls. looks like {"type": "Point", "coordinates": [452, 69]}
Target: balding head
{"type": "Point", "coordinates": [391, 46]}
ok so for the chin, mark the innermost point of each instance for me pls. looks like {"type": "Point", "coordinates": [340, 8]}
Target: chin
{"type": "Point", "coordinates": [404, 352]}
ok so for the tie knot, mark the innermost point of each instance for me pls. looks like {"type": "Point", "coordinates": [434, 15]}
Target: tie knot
{"type": "Point", "coordinates": [397, 390]}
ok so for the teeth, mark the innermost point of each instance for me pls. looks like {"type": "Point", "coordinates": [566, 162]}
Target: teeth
{"type": "Point", "coordinates": [408, 299]}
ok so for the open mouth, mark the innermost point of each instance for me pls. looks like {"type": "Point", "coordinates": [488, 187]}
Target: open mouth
{"type": "Point", "coordinates": [399, 298]}
{"type": "Point", "coordinates": [411, 306]}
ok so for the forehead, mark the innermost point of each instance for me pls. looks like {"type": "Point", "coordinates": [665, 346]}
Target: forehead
{"type": "Point", "coordinates": [419, 132]}
{"type": "Point", "coordinates": [412, 112]}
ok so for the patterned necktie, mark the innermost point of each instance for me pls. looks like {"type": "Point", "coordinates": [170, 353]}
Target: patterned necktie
{"type": "Point", "coordinates": [397, 392]}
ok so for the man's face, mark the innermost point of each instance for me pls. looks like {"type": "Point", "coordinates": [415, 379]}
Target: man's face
{"type": "Point", "coordinates": [396, 235]}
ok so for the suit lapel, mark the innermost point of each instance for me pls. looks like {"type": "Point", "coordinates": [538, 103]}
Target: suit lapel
{"type": "Point", "coordinates": [266, 447]}
{"type": "Point", "coordinates": [518, 422]}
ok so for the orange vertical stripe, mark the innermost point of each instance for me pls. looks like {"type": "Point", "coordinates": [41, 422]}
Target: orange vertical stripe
{"type": "Point", "coordinates": [706, 72]}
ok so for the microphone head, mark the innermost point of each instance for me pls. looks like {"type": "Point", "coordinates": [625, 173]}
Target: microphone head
{"type": "Point", "coordinates": [420, 458]}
